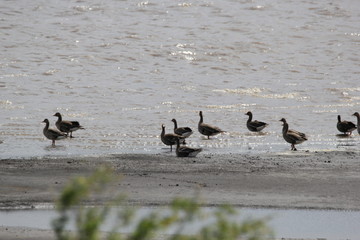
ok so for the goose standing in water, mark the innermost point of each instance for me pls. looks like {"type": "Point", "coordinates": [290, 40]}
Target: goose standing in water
{"type": "Point", "coordinates": [52, 134]}
{"type": "Point", "coordinates": [169, 139]}
{"type": "Point", "coordinates": [67, 126]}
{"type": "Point", "coordinates": [345, 127]}
{"type": "Point", "coordinates": [206, 129]}
{"type": "Point", "coordinates": [182, 131]}
{"type": "Point", "coordinates": [292, 136]}
{"type": "Point", "coordinates": [357, 115]}
{"type": "Point", "coordinates": [184, 151]}
{"type": "Point", "coordinates": [254, 126]}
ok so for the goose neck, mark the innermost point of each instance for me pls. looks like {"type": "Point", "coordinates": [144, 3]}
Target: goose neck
{"type": "Point", "coordinates": [163, 131]}
{"type": "Point", "coordinates": [285, 128]}
{"type": "Point", "coordinates": [175, 124]}
{"type": "Point", "coordinates": [201, 118]}
{"type": "Point", "coordinates": [250, 118]}
{"type": "Point", "coordinates": [358, 118]}
{"type": "Point", "coordinates": [47, 124]}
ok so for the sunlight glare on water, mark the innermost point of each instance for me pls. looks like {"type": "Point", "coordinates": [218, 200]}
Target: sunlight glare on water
{"type": "Point", "coordinates": [123, 68]}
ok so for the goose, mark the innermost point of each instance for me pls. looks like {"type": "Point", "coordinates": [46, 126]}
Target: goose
{"type": "Point", "coordinates": [345, 127]}
{"type": "Point", "coordinates": [52, 134]}
{"type": "Point", "coordinates": [184, 151]}
{"type": "Point", "coordinates": [254, 126]}
{"type": "Point", "coordinates": [206, 129]}
{"type": "Point", "coordinates": [357, 115]}
{"type": "Point", "coordinates": [292, 136]}
{"type": "Point", "coordinates": [67, 126]}
{"type": "Point", "coordinates": [169, 139]}
{"type": "Point", "coordinates": [182, 131]}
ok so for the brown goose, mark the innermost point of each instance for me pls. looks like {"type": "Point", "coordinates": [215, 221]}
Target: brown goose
{"type": "Point", "coordinates": [254, 126]}
{"type": "Point", "coordinates": [67, 126]}
{"type": "Point", "coordinates": [52, 134]}
{"type": "Point", "coordinates": [169, 139]}
{"type": "Point", "coordinates": [292, 136]}
{"type": "Point", "coordinates": [182, 131]}
{"type": "Point", "coordinates": [206, 129]}
{"type": "Point", "coordinates": [357, 115]}
{"type": "Point", "coordinates": [183, 151]}
{"type": "Point", "coordinates": [345, 127]}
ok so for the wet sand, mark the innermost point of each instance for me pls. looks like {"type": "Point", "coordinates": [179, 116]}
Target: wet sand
{"type": "Point", "coordinates": [319, 180]}
{"type": "Point", "coordinates": [309, 180]}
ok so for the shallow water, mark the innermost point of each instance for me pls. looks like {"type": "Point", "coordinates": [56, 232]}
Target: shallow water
{"type": "Point", "coordinates": [314, 224]}
{"type": "Point", "coordinates": [122, 68]}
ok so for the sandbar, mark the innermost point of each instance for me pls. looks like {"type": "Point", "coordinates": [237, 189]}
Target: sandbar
{"type": "Point", "coordinates": [290, 180]}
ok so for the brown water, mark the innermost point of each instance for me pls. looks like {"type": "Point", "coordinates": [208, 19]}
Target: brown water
{"type": "Point", "coordinates": [122, 68]}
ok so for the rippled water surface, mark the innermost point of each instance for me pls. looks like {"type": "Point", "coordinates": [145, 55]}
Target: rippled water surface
{"type": "Point", "coordinates": [299, 224]}
{"type": "Point", "coordinates": [122, 68]}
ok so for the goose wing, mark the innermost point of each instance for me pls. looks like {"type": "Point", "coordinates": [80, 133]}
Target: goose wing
{"type": "Point", "coordinates": [297, 136]}
{"type": "Point", "coordinates": [188, 151]}
{"type": "Point", "coordinates": [170, 138]}
{"type": "Point", "coordinates": [183, 131]}
{"type": "Point", "coordinates": [66, 126]}
{"type": "Point", "coordinates": [210, 129]}
{"type": "Point", "coordinates": [54, 134]}
{"type": "Point", "coordinates": [256, 125]}
{"type": "Point", "coordinates": [350, 126]}
{"type": "Point", "coordinates": [297, 133]}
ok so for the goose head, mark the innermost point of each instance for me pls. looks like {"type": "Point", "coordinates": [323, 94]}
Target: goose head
{"type": "Point", "coordinates": [283, 120]}
{"type": "Point", "coordinates": [57, 114]}
{"type": "Point", "coordinates": [248, 113]}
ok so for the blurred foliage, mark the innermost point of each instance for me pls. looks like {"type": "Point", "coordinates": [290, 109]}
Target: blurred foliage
{"type": "Point", "coordinates": [181, 214]}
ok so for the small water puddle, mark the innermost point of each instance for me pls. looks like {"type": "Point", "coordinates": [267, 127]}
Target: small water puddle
{"type": "Point", "coordinates": [313, 224]}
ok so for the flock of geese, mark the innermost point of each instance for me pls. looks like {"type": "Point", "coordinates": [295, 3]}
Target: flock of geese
{"type": "Point", "coordinates": [65, 129]}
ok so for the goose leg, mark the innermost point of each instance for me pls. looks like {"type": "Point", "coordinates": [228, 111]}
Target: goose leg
{"type": "Point", "coordinates": [53, 143]}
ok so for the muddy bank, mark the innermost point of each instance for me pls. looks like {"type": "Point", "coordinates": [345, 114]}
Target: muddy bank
{"type": "Point", "coordinates": [318, 180]}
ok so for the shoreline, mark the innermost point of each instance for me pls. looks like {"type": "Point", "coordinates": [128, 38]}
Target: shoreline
{"type": "Point", "coordinates": [289, 180]}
